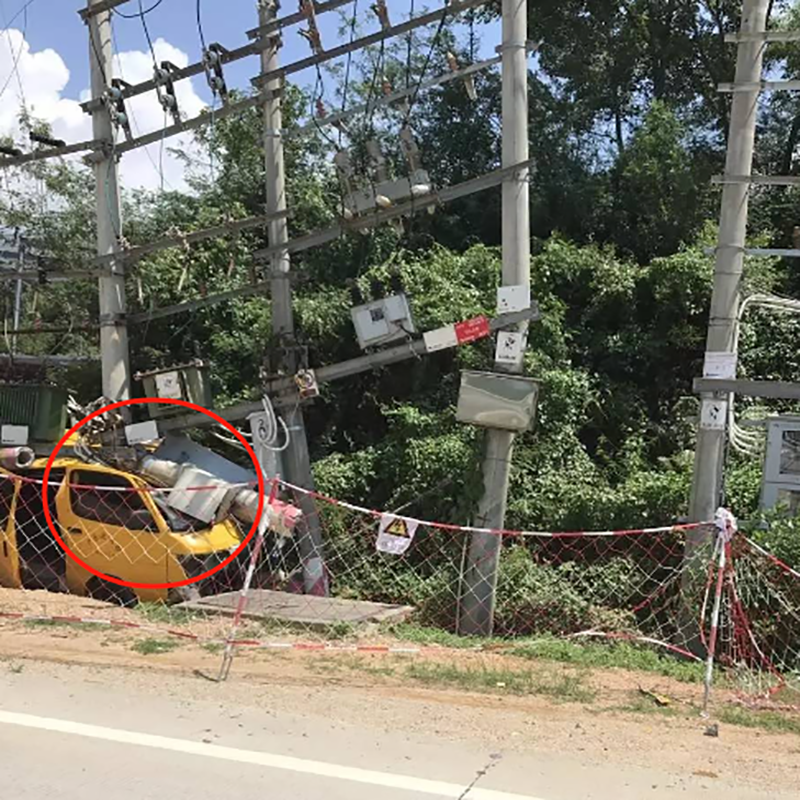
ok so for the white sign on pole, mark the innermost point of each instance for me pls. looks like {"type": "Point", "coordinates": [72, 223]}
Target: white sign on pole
{"type": "Point", "coordinates": [510, 348]}
{"type": "Point", "coordinates": [395, 534]}
{"type": "Point", "coordinates": [440, 339]}
{"type": "Point", "coordinates": [513, 298]}
{"type": "Point", "coordinates": [713, 415]}
{"type": "Point", "coordinates": [720, 365]}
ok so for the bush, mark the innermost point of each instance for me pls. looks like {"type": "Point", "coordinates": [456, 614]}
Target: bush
{"type": "Point", "coordinates": [780, 535]}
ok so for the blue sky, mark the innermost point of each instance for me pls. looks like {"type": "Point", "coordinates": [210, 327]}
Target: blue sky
{"type": "Point", "coordinates": [50, 46]}
{"type": "Point", "coordinates": [56, 24]}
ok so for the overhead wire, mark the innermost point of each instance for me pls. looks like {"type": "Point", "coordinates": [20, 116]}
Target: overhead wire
{"type": "Point", "coordinates": [345, 90]}
{"type": "Point", "coordinates": [435, 41]}
{"type": "Point", "coordinates": [158, 167]}
{"type": "Point", "coordinates": [15, 61]}
{"type": "Point", "coordinates": [15, 57]}
{"type": "Point", "coordinates": [199, 16]}
{"type": "Point", "coordinates": [140, 13]}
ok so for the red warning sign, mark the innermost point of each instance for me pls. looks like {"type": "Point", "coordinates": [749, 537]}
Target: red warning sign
{"type": "Point", "coordinates": [472, 329]}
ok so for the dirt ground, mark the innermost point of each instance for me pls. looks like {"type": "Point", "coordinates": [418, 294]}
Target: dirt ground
{"type": "Point", "coordinates": [516, 702]}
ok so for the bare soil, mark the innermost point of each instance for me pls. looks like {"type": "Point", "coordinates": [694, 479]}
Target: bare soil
{"type": "Point", "coordinates": [618, 724]}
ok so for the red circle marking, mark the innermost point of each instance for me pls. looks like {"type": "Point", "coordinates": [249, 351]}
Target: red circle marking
{"type": "Point", "coordinates": [121, 404]}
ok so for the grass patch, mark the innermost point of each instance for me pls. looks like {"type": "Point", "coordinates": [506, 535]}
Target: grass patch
{"type": "Point", "coordinates": [340, 630]}
{"type": "Point", "coordinates": [213, 647]}
{"type": "Point", "coordinates": [621, 655]}
{"type": "Point", "coordinates": [149, 646]}
{"type": "Point", "coordinates": [772, 721]}
{"type": "Point", "coordinates": [58, 623]}
{"type": "Point", "coordinates": [594, 654]}
{"type": "Point", "coordinates": [419, 634]}
{"type": "Point", "coordinates": [565, 687]}
{"type": "Point", "coordinates": [163, 613]}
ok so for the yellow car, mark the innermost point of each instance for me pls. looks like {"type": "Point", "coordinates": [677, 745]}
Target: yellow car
{"type": "Point", "coordinates": [132, 536]}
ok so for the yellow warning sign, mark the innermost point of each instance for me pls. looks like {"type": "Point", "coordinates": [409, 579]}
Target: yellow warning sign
{"type": "Point", "coordinates": [398, 527]}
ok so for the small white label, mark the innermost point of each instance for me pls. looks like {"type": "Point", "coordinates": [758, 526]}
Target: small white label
{"type": "Point", "coordinates": [440, 339]}
{"type": "Point", "coordinates": [720, 365]}
{"type": "Point", "coordinates": [168, 385]}
{"type": "Point", "coordinates": [713, 415]}
{"type": "Point", "coordinates": [510, 348]}
{"type": "Point", "coordinates": [141, 432]}
{"type": "Point", "coordinates": [14, 435]}
{"type": "Point", "coordinates": [513, 298]}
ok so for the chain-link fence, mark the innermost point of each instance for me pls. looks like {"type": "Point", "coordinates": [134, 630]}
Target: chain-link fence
{"type": "Point", "coordinates": [320, 569]}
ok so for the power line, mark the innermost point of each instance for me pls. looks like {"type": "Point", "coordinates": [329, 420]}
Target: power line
{"type": "Point", "coordinates": [426, 64]}
{"type": "Point", "coordinates": [200, 25]}
{"type": "Point", "coordinates": [140, 13]}
{"type": "Point", "coordinates": [21, 11]}
{"type": "Point", "coordinates": [159, 168]}
{"type": "Point", "coordinates": [16, 58]}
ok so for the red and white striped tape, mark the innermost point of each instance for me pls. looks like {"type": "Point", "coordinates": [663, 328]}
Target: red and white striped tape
{"type": "Point", "coordinates": [444, 526]}
{"type": "Point", "coordinates": [253, 643]}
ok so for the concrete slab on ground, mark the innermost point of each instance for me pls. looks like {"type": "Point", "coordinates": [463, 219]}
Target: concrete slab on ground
{"type": "Point", "coordinates": [263, 604]}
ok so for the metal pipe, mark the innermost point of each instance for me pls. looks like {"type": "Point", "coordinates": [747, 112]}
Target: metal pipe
{"type": "Point", "coordinates": [281, 517]}
{"type": "Point", "coordinates": [16, 457]}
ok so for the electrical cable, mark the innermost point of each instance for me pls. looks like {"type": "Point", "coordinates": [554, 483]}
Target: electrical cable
{"type": "Point", "coordinates": [15, 58]}
{"type": "Point", "coordinates": [268, 436]}
{"type": "Point", "coordinates": [140, 13]}
{"type": "Point", "coordinates": [410, 46]}
{"type": "Point", "coordinates": [159, 168]}
{"type": "Point", "coordinates": [147, 33]}
{"type": "Point", "coordinates": [353, 21]}
{"type": "Point", "coordinates": [426, 63]}
{"type": "Point", "coordinates": [742, 440]}
{"type": "Point", "coordinates": [15, 61]}
{"type": "Point", "coordinates": [198, 14]}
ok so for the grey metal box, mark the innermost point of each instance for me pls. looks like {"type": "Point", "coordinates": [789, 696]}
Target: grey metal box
{"type": "Point", "coordinates": [494, 400]}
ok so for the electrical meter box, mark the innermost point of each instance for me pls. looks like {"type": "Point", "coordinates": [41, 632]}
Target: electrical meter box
{"type": "Point", "coordinates": [188, 382]}
{"type": "Point", "coordinates": [781, 482]}
{"type": "Point", "coordinates": [492, 400]}
{"type": "Point", "coordinates": [382, 321]}
{"type": "Point", "coordinates": [40, 407]}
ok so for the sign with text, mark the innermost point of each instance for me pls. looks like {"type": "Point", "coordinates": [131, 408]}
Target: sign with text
{"type": "Point", "coordinates": [472, 329]}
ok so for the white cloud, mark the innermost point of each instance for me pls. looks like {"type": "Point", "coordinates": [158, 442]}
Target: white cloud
{"type": "Point", "coordinates": [44, 75]}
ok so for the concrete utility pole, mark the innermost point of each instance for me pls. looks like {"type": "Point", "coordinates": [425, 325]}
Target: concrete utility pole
{"type": "Point", "coordinates": [296, 458]}
{"type": "Point", "coordinates": [480, 579]}
{"type": "Point", "coordinates": [722, 324]}
{"type": "Point", "coordinates": [18, 292]}
{"type": "Point", "coordinates": [113, 324]}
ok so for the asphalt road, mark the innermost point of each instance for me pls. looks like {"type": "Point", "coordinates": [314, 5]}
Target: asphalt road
{"type": "Point", "coordinates": [69, 733]}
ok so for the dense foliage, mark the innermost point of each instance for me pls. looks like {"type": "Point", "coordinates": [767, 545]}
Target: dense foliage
{"type": "Point", "coordinates": [626, 130]}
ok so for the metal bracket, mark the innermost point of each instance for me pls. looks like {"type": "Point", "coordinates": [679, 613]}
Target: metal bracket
{"type": "Point", "coordinates": [112, 320]}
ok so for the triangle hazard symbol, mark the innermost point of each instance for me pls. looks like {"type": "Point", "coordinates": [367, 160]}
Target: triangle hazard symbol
{"type": "Point", "coordinates": [398, 527]}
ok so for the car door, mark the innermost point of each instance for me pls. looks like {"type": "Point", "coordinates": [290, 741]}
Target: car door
{"type": "Point", "coordinates": [9, 557]}
{"type": "Point", "coordinates": [113, 527]}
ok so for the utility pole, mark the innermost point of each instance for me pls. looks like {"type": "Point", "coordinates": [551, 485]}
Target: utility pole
{"type": "Point", "coordinates": [296, 458]}
{"type": "Point", "coordinates": [723, 317]}
{"type": "Point", "coordinates": [18, 291]}
{"type": "Point", "coordinates": [113, 324]}
{"type": "Point", "coordinates": [477, 600]}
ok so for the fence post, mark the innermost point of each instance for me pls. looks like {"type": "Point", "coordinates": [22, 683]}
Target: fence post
{"type": "Point", "coordinates": [227, 658]}
{"type": "Point", "coordinates": [725, 528]}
